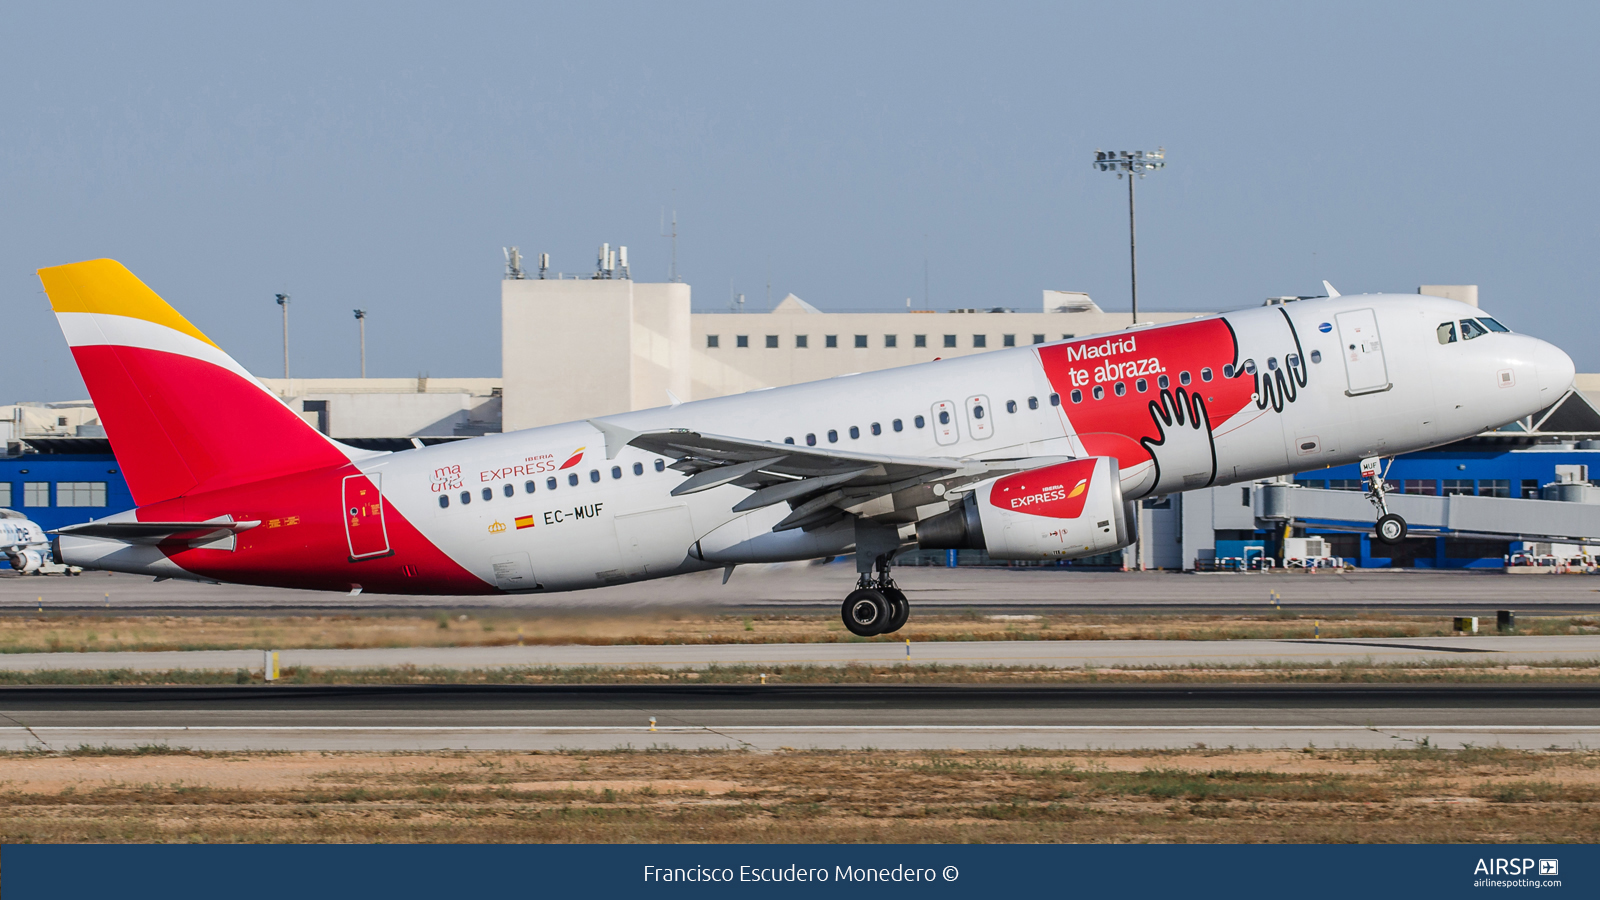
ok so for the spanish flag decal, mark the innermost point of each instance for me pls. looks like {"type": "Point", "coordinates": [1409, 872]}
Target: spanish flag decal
{"type": "Point", "coordinates": [524, 522]}
{"type": "Point", "coordinates": [574, 459]}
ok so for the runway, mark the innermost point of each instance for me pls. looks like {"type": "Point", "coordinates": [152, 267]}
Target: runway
{"type": "Point", "coordinates": [1043, 654]}
{"type": "Point", "coordinates": [805, 588]}
{"type": "Point", "coordinates": [776, 717]}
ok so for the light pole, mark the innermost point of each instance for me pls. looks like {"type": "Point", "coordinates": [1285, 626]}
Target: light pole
{"type": "Point", "coordinates": [283, 301]}
{"type": "Point", "coordinates": [361, 320]}
{"type": "Point", "coordinates": [1131, 163]}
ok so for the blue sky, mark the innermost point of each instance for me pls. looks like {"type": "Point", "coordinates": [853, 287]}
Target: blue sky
{"type": "Point", "coordinates": [380, 155]}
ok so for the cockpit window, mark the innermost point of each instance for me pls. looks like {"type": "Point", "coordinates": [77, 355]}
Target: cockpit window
{"type": "Point", "coordinates": [1447, 333]}
{"type": "Point", "coordinates": [1493, 325]}
{"type": "Point", "coordinates": [1471, 329]}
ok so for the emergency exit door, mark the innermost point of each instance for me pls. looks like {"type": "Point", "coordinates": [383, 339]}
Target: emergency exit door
{"type": "Point", "coordinates": [363, 517]}
{"type": "Point", "coordinates": [1364, 366]}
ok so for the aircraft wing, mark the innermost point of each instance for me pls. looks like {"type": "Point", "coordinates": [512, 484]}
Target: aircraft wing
{"type": "Point", "coordinates": [820, 485]}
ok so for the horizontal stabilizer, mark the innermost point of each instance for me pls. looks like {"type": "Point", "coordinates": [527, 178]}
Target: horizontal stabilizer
{"type": "Point", "coordinates": [158, 532]}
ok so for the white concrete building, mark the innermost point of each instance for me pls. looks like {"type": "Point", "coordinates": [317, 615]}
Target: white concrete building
{"type": "Point", "coordinates": [394, 407]}
{"type": "Point", "coordinates": [580, 348]}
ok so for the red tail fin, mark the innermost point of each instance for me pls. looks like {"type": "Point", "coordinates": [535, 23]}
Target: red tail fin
{"type": "Point", "coordinates": [182, 416]}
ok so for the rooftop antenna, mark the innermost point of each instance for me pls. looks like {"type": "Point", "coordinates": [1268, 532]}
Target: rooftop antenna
{"type": "Point", "coordinates": [361, 319]}
{"type": "Point", "coordinates": [544, 265]}
{"type": "Point", "coordinates": [513, 264]}
{"type": "Point", "coordinates": [672, 268]}
{"type": "Point", "coordinates": [622, 263]}
{"type": "Point", "coordinates": [283, 302]}
{"type": "Point", "coordinates": [602, 267]}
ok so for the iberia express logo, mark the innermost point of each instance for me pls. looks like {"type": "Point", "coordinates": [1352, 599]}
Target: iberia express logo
{"type": "Point", "coordinates": [1057, 492]}
{"type": "Point", "coordinates": [574, 459]}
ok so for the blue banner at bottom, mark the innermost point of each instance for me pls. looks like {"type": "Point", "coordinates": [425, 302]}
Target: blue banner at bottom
{"type": "Point", "coordinates": [315, 872]}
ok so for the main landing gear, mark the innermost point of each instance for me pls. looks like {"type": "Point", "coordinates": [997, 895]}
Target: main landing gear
{"type": "Point", "coordinates": [1390, 528]}
{"type": "Point", "coordinates": [876, 606]}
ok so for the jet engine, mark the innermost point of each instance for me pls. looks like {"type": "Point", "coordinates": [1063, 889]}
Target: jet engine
{"type": "Point", "coordinates": [1062, 511]}
{"type": "Point", "coordinates": [25, 561]}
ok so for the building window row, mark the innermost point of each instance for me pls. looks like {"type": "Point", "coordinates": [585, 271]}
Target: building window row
{"type": "Point", "coordinates": [550, 483]}
{"type": "Point", "coordinates": [1432, 487]}
{"type": "Point", "coordinates": [864, 341]}
{"type": "Point", "coordinates": [68, 493]}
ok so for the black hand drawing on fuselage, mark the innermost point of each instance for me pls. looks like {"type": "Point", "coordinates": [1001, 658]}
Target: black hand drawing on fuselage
{"type": "Point", "coordinates": [1183, 452]}
{"type": "Point", "coordinates": [1277, 383]}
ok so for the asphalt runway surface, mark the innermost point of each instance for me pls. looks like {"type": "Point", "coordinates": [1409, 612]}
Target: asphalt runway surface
{"type": "Point", "coordinates": [1507, 649]}
{"type": "Point", "coordinates": [800, 717]}
{"type": "Point", "coordinates": [810, 589]}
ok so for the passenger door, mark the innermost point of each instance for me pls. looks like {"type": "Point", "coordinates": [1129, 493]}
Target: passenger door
{"type": "Point", "coordinates": [944, 423]}
{"type": "Point", "coordinates": [363, 517]}
{"type": "Point", "coordinates": [1364, 366]}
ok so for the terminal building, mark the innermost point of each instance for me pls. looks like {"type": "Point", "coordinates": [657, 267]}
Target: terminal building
{"type": "Point", "coordinates": [575, 348]}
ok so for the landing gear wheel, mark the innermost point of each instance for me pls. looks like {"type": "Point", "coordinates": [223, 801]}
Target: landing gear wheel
{"type": "Point", "coordinates": [1391, 529]}
{"type": "Point", "coordinates": [865, 612]}
{"type": "Point", "coordinates": [899, 609]}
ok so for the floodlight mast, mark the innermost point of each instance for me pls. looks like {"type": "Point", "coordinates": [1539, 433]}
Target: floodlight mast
{"type": "Point", "coordinates": [1131, 163]}
{"type": "Point", "coordinates": [283, 302]}
{"type": "Point", "coordinates": [361, 320]}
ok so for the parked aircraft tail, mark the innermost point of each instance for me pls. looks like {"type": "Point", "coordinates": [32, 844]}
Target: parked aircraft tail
{"type": "Point", "coordinates": [182, 415]}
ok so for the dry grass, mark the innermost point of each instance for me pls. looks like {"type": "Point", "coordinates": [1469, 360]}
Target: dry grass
{"type": "Point", "coordinates": [66, 633]}
{"type": "Point", "coordinates": [1200, 795]}
{"type": "Point", "coordinates": [1438, 672]}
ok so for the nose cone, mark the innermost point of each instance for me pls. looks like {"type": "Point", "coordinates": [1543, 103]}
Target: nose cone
{"type": "Point", "coordinates": [1556, 370]}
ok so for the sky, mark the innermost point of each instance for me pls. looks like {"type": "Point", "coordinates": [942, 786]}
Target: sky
{"type": "Point", "coordinates": [856, 154]}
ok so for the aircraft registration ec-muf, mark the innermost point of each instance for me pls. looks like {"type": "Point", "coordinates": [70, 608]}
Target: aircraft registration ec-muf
{"type": "Point", "coordinates": [1031, 453]}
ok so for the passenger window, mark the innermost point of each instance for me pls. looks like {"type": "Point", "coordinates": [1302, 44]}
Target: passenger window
{"type": "Point", "coordinates": [1227, 371]}
{"type": "Point", "coordinates": [1120, 388]}
{"type": "Point", "coordinates": [897, 426]}
{"type": "Point", "coordinates": [1011, 406]}
{"type": "Point", "coordinates": [833, 436]}
{"type": "Point", "coordinates": [1493, 324]}
{"type": "Point", "coordinates": [877, 429]}
{"type": "Point", "coordinates": [1163, 382]}
{"type": "Point", "coordinates": [1316, 356]}
{"type": "Point", "coordinates": [616, 471]}
{"type": "Point", "coordinates": [1141, 385]}
{"type": "Point", "coordinates": [572, 480]}
{"type": "Point", "coordinates": [1272, 364]}
{"type": "Point", "coordinates": [977, 411]}
{"type": "Point", "coordinates": [1055, 399]}
{"type": "Point", "coordinates": [466, 497]}
{"type": "Point", "coordinates": [638, 468]}
{"type": "Point", "coordinates": [1077, 396]}
{"type": "Point", "coordinates": [594, 475]}
{"type": "Point", "coordinates": [488, 493]}
{"type": "Point", "coordinates": [1205, 374]}
{"type": "Point", "coordinates": [444, 501]}
{"type": "Point", "coordinates": [788, 440]}
{"type": "Point", "coordinates": [661, 466]}
{"type": "Point", "coordinates": [527, 487]}
{"type": "Point", "coordinates": [1099, 392]}
{"type": "Point", "coordinates": [811, 440]}
{"type": "Point", "coordinates": [855, 433]}
{"type": "Point", "coordinates": [1183, 377]}
{"type": "Point", "coordinates": [919, 421]}
{"type": "Point", "coordinates": [1033, 402]}
{"type": "Point", "coordinates": [550, 483]}
{"type": "Point", "coordinates": [1292, 361]}
{"type": "Point", "coordinates": [1471, 329]}
{"type": "Point", "coordinates": [1249, 367]}
{"type": "Point", "coordinates": [944, 417]}
{"type": "Point", "coordinates": [509, 490]}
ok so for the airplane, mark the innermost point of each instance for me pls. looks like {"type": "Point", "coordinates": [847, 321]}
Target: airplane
{"type": "Point", "coordinates": [1031, 453]}
{"type": "Point", "coordinates": [26, 546]}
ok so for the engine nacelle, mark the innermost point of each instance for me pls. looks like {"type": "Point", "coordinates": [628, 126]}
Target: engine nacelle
{"type": "Point", "coordinates": [25, 561]}
{"type": "Point", "coordinates": [1064, 511]}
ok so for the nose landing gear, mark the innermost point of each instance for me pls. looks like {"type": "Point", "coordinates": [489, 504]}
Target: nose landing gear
{"type": "Point", "coordinates": [876, 606]}
{"type": "Point", "coordinates": [1390, 528]}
